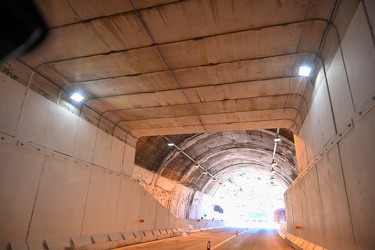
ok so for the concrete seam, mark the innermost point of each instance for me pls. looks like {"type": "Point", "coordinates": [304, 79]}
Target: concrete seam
{"type": "Point", "coordinates": [346, 71]}
{"type": "Point", "coordinates": [24, 102]}
{"type": "Point", "coordinates": [346, 194]}
{"type": "Point", "coordinates": [329, 98]}
{"type": "Point", "coordinates": [148, 31]}
{"type": "Point", "coordinates": [76, 135]}
{"type": "Point", "coordinates": [96, 140]}
{"type": "Point", "coordinates": [368, 22]}
{"type": "Point", "coordinates": [321, 201]}
{"type": "Point", "coordinates": [84, 208]}
{"type": "Point", "coordinates": [36, 197]}
{"type": "Point", "coordinates": [118, 203]}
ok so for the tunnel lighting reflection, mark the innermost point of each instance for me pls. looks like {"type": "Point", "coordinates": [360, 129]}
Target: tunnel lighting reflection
{"type": "Point", "coordinates": [77, 97]}
{"type": "Point", "coordinates": [304, 71]}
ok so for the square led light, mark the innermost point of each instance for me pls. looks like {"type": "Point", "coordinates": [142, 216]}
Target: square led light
{"type": "Point", "coordinates": [77, 97]}
{"type": "Point", "coordinates": [304, 71]}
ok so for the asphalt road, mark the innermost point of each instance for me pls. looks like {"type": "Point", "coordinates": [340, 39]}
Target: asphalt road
{"type": "Point", "coordinates": [220, 239]}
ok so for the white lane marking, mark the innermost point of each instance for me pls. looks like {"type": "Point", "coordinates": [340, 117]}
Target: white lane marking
{"type": "Point", "coordinates": [221, 243]}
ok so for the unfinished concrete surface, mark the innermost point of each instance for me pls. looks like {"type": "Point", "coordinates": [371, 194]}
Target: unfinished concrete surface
{"type": "Point", "coordinates": [182, 67]}
{"type": "Point", "coordinates": [217, 78]}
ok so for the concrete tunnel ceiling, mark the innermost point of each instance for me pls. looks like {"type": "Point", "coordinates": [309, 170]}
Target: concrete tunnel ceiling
{"type": "Point", "coordinates": [217, 77]}
{"type": "Point", "coordinates": [222, 154]}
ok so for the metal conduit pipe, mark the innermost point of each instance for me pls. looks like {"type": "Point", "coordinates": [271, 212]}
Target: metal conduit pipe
{"type": "Point", "coordinates": [276, 140]}
{"type": "Point", "coordinates": [190, 158]}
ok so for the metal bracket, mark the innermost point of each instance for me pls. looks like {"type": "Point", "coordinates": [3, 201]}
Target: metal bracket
{"type": "Point", "coordinates": [58, 155]}
{"type": "Point", "coordinates": [31, 146]}
{"type": "Point", "coordinates": [82, 162]}
{"type": "Point", "coordinates": [4, 138]}
{"type": "Point", "coordinates": [366, 106]}
{"type": "Point", "coordinates": [340, 134]}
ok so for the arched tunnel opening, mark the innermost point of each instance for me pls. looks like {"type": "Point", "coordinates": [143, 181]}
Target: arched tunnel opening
{"type": "Point", "coordinates": [249, 200]}
{"type": "Point", "coordinates": [224, 176]}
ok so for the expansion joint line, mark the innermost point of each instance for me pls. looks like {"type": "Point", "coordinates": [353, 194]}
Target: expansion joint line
{"type": "Point", "coordinates": [326, 29]}
{"type": "Point", "coordinates": [166, 62]}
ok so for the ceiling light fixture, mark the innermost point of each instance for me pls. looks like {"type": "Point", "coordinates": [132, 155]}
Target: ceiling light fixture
{"type": "Point", "coordinates": [273, 170]}
{"type": "Point", "coordinates": [196, 165]}
{"type": "Point", "coordinates": [277, 139]}
{"type": "Point", "coordinates": [273, 163]}
{"type": "Point", "coordinates": [304, 71]}
{"type": "Point", "coordinates": [77, 97]}
{"type": "Point", "coordinates": [171, 144]}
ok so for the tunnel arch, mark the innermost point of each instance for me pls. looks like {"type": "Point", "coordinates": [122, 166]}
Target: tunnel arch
{"type": "Point", "coordinates": [222, 154]}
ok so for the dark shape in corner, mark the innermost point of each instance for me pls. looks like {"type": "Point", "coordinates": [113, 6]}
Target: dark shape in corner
{"type": "Point", "coordinates": [22, 28]}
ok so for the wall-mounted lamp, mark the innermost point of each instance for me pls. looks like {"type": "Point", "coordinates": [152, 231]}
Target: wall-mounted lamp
{"type": "Point", "coordinates": [273, 170]}
{"type": "Point", "coordinates": [77, 97]}
{"type": "Point", "coordinates": [196, 165]}
{"type": "Point", "coordinates": [304, 71]}
{"type": "Point", "coordinates": [273, 163]}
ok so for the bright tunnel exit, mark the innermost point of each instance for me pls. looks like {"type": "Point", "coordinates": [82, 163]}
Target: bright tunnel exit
{"type": "Point", "coordinates": [251, 200]}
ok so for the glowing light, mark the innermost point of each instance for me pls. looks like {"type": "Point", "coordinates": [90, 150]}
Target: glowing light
{"type": "Point", "coordinates": [77, 97]}
{"type": "Point", "coordinates": [304, 71]}
{"type": "Point", "coordinates": [277, 139]}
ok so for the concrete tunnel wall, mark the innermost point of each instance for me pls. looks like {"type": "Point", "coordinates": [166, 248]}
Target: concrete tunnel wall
{"type": "Point", "coordinates": [332, 202]}
{"type": "Point", "coordinates": [181, 201]}
{"type": "Point", "coordinates": [63, 180]}
{"type": "Point", "coordinates": [52, 163]}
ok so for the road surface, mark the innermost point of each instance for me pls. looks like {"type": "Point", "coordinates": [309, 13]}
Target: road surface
{"type": "Point", "coordinates": [220, 239]}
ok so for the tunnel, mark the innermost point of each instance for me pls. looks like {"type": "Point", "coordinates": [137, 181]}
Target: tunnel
{"type": "Point", "coordinates": [125, 122]}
